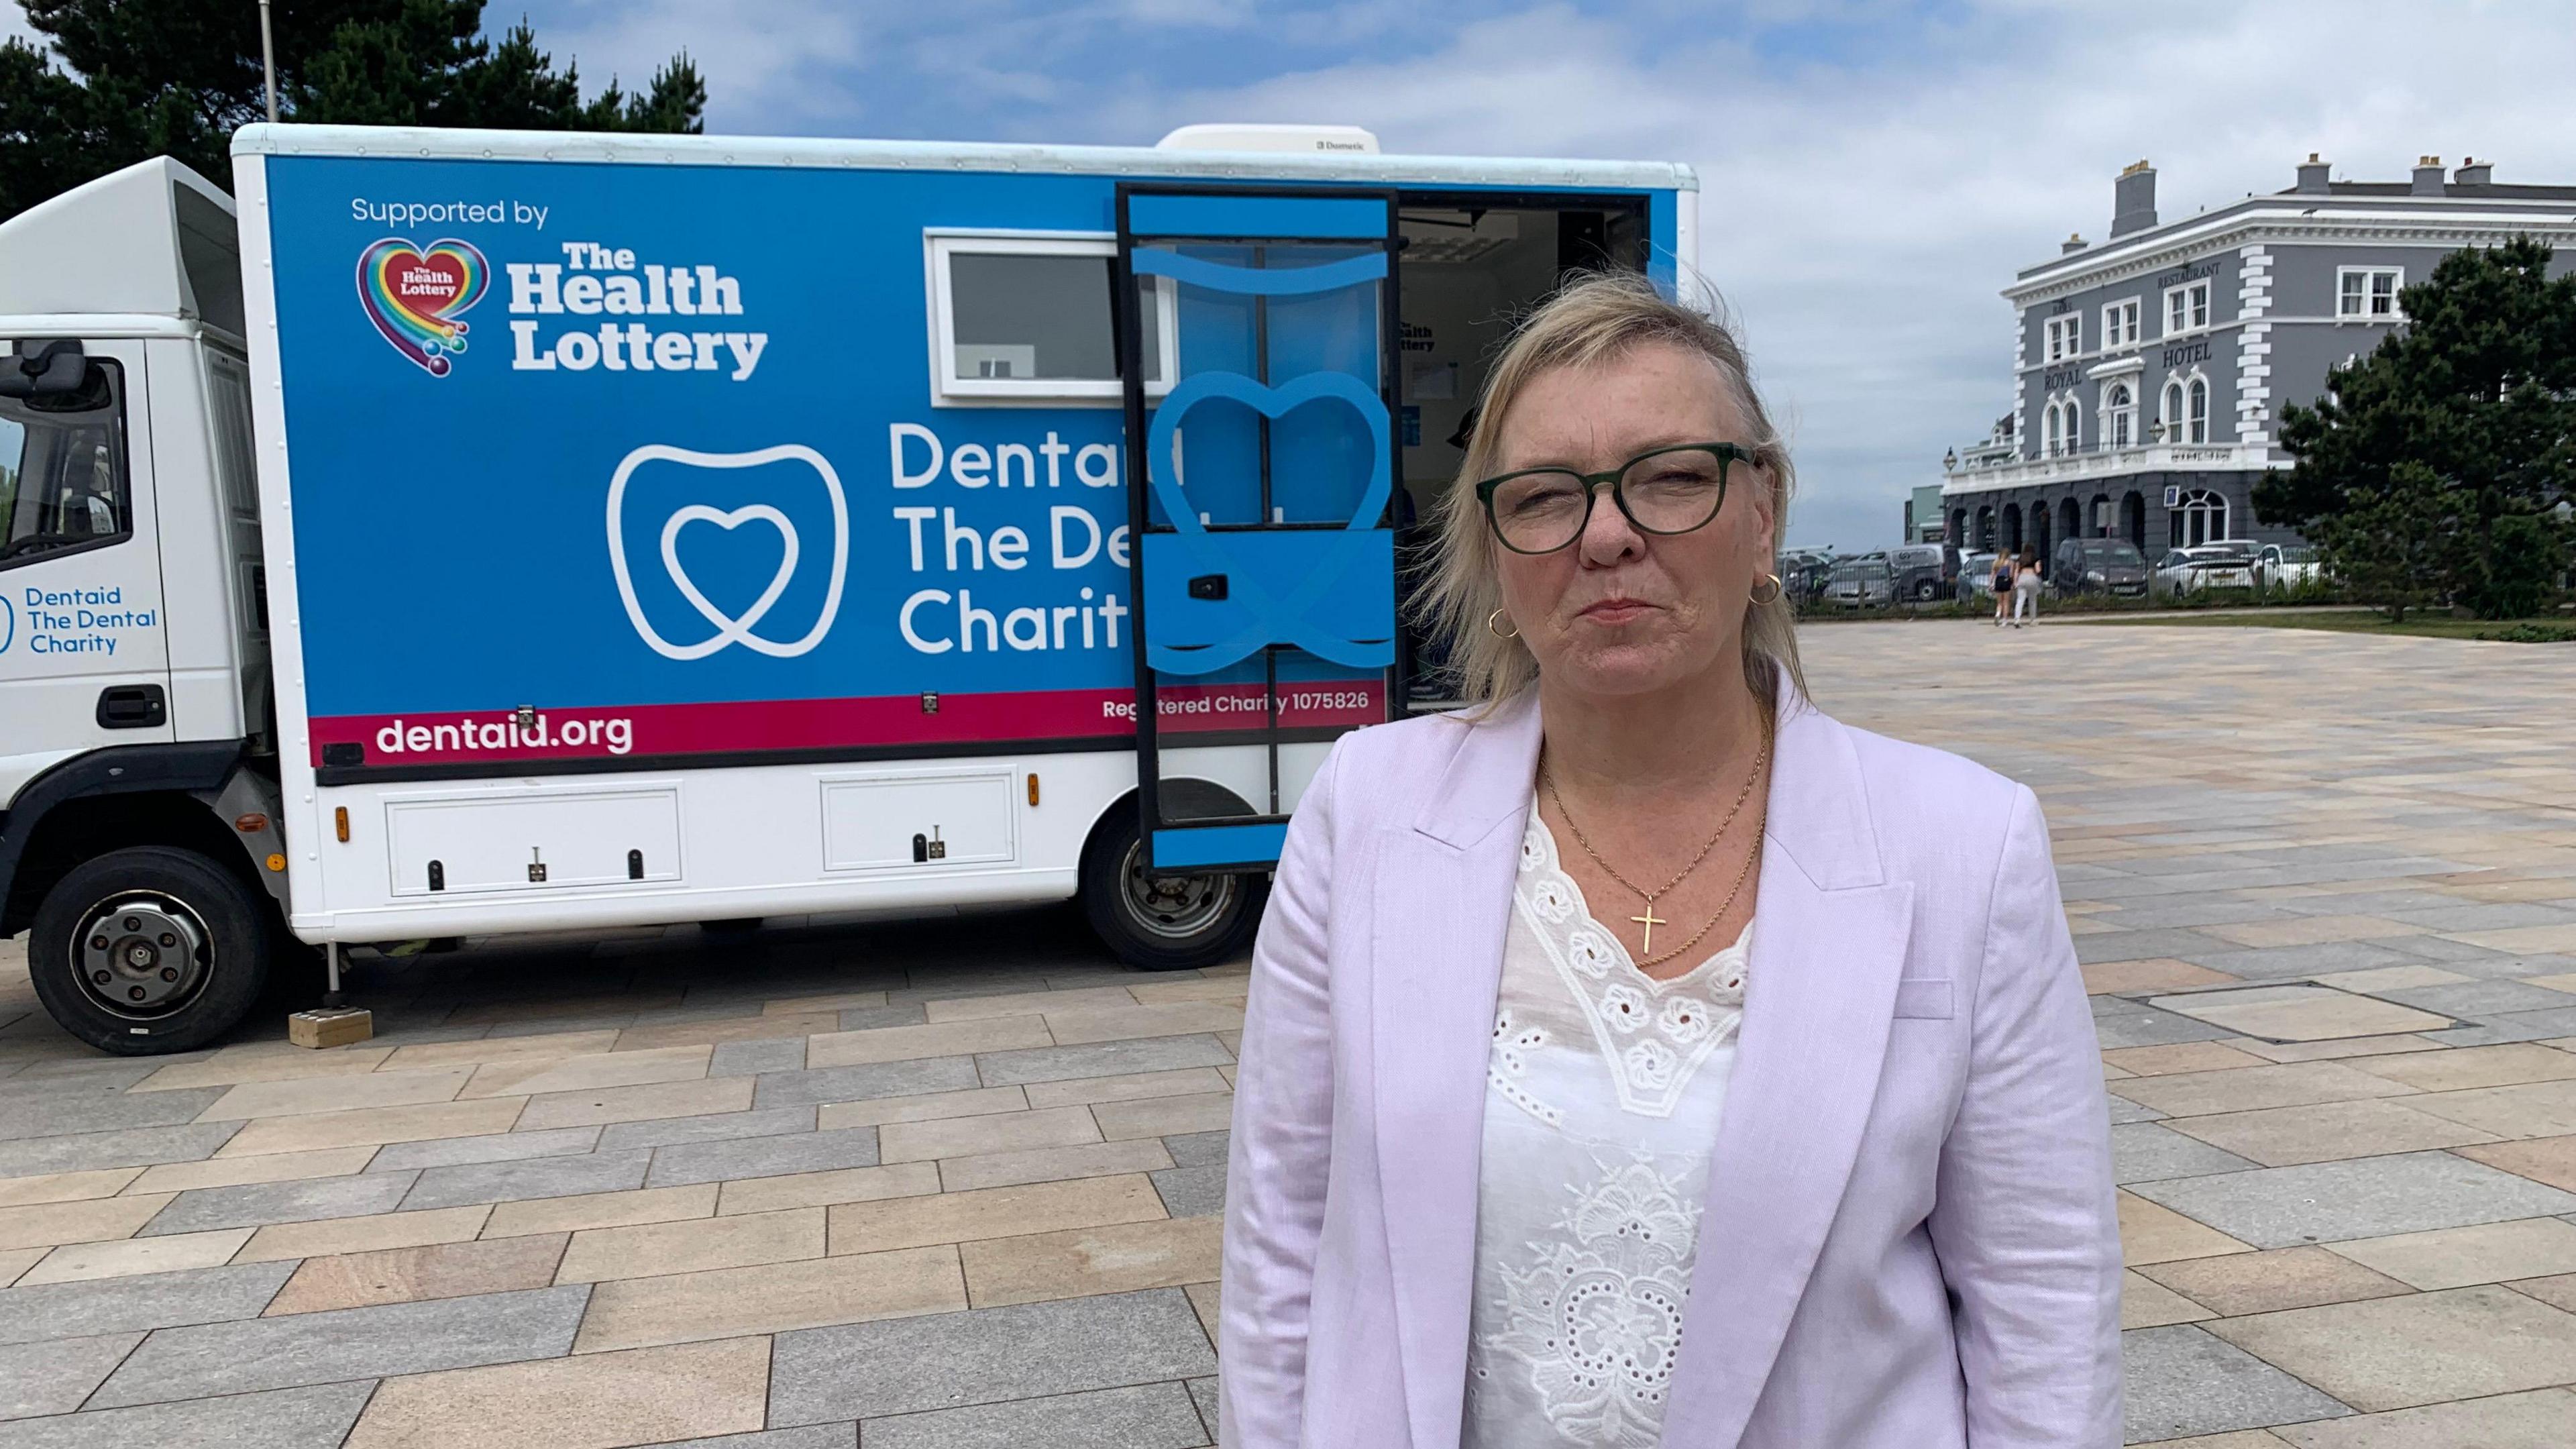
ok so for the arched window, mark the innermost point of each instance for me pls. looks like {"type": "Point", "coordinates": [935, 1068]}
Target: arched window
{"type": "Point", "coordinates": [2068, 429]}
{"type": "Point", "coordinates": [2199, 427]}
{"type": "Point", "coordinates": [2119, 415]}
{"type": "Point", "coordinates": [2199, 518]}
{"type": "Point", "coordinates": [2056, 431]}
{"type": "Point", "coordinates": [2171, 413]}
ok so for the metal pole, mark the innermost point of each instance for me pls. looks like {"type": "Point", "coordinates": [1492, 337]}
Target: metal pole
{"type": "Point", "coordinates": [331, 997]}
{"type": "Point", "coordinates": [268, 70]}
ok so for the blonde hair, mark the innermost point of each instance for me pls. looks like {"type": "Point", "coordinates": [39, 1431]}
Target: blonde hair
{"type": "Point", "coordinates": [1591, 320]}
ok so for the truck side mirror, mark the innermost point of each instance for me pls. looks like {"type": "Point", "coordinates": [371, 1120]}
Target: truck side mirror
{"type": "Point", "coordinates": [47, 369]}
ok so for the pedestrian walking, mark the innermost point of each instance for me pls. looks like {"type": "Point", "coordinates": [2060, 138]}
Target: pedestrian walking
{"type": "Point", "coordinates": [2003, 582]}
{"type": "Point", "coordinates": [2025, 588]}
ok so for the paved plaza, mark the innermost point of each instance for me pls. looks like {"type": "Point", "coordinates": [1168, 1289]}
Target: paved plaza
{"type": "Point", "coordinates": [958, 1183]}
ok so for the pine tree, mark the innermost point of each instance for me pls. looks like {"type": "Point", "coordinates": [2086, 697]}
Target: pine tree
{"type": "Point", "coordinates": [121, 81]}
{"type": "Point", "coordinates": [2461, 424]}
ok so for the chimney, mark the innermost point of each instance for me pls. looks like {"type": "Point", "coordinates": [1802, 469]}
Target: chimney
{"type": "Point", "coordinates": [2074, 243]}
{"type": "Point", "coordinates": [2474, 172]}
{"type": "Point", "coordinates": [2312, 177]}
{"type": "Point", "coordinates": [2133, 200]}
{"type": "Point", "coordinates": [2428, 176]}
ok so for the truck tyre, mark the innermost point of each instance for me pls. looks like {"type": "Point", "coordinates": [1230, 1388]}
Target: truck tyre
{"type": "Point", "coordinates": [1174, 923]}
{"type": "Point", "coordinates": [149, 950]}
{"type": "Point", "coordinates": [1927, 590]}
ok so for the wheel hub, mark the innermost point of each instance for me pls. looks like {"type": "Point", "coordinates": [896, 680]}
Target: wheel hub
{"type": "Point", "coordinates": [1175, 906]}
{"type": "Point", "coordinates": [142, 956]}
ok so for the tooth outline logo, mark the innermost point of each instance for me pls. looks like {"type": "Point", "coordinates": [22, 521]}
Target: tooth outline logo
{"type": "Point", "coordinates": [429, 336]}
{"type": "Point", "coordinates": [730, 630]}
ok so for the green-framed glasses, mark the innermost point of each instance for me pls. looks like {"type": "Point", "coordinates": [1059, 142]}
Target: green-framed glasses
{"type": "Point", "coordinates": [1670, 490]}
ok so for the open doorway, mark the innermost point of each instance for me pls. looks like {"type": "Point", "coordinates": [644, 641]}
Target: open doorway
{"type": "Point", "coordinates": [1472, 266]}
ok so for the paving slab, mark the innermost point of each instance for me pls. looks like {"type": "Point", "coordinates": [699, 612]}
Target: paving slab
{"type": "Point", "coordinates": [2458, 1257]}
{"type": "Point", "coordinates": [2181, 1381]}
{"type": "Point", "coordinates": [2300, 1013]}
{"type": "Point", "coordinates": [33, 1112]}
{"type": "Point", "coordinates": [596, 1401]}
{"type": "Point", "coordinates": [772, 1298]}
{"type": "Point", "coordinates": [495, 1147]}
{"type": "Point", "coordinates": [416, 1274]}
{"type": "Point", "coordinates": [347, 1343]}
{"type": "Point", "coordinates": [2283, 1207]}
{"type": "Point", "coordinates": [2397, 1353]}
{"type": "Point", "coordinates": [869, 1370]}
{"type": "Point", "coordinates": [723, 1127]}
{"type": "Point", "coordinates": [763, 1157]}
{"type": "Point", "coordinates": [54, 1377]}
{"type": "Point", "coordinates": [1105, 1059]}
{"type": "Point", "coordinates": [490, 1182]}
{"type": "Point", "coordinates": [2150, 1151]}
{"type": "Point", "coordinates": [2535, 1420]}
{"type": "Point", "coordinates": [124, 1305]}
{"type": "Point", "coordinates": [908, 1078]}
{"type": "Point", "coordinates": [1148, 1416]}
{"type": "Point", "coordinates": [2240, 1283]}
{"type": "Point", "coordinates": [139, 1146]}
{"type": "Point", "coordinates": [311, 1418]}
{"type": "Point", "coordinates": [256, 1204]}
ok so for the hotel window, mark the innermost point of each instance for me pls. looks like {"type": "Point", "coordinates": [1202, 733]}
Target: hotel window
{"type": "Point", "coordinates": [2169, 415]}
{"type": "Point", "coordinates": [2368, 293]}
{"type": "Point", "coordinates": [2186, 307]}
{"type": "Point", "coordinates": [2119, 415]}
{"type": "Point", "coordinates": [2055, 430]}
{"type": "Point", "coordinates": [2198, 431]}
{"type": "Point", "coordinates": [2120, 324]}
{"type": "Point", "coordinates": [2065, 336]}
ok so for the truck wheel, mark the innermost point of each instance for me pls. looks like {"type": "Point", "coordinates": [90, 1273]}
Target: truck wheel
{"type": "Point", "coordinates": [1166, 923]}
{"type": "Point", "coordinates": [149, 950]}
{"type": "Point", "coordinates": [1927, 590]}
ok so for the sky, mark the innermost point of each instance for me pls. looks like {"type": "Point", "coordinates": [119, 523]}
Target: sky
{"type": "Point", "coordinates": [1872, 172]}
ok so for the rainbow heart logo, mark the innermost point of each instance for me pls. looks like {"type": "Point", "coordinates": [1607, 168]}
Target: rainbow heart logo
{"type": "Point", "coordinates": [417, 296]}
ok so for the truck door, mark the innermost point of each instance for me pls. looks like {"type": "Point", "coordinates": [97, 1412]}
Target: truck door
{"type": "Point", "coordinates": [83, 663]}
{"type": "Point", "coordinates": [1259, 487]}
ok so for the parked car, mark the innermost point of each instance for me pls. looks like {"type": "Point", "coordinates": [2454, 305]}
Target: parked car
{"type": "Point", "coordinates": [2281, 565]}
{"type": "Point", "coordinates": [1862, 583]}
{"type": "Point", "coordinates": [2204, 567]}
{"type": "Point", "coordinates": [1804, 573]}
{"type": "Point", "coordinates": [1922, 571]}
{"type": "Point", "coordinates": [1976, 576]}
{"type": "Point", "coordinates": [2110, 566]}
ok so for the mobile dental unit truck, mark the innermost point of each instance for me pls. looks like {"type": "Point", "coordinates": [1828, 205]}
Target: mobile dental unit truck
{"type": "Point", "coordinates": [463, 532]}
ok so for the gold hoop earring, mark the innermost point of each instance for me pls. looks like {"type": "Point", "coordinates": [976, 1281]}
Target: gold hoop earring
{"type": "Point", "coordinates": [1498, 633]}
{"type": "Point", "coordinates": [1777, 588]}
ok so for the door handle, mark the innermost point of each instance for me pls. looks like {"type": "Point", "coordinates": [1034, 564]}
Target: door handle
{"type": "Point", "coordinates": [132, 707]}
{"type": "Point", "coordinates": [1208, 586]}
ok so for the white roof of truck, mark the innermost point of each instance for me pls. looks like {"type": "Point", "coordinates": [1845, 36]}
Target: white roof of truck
{"type": "Point", "coordinates": [664, 150]}
{"type": "Point", "coordinates": [155, 240]}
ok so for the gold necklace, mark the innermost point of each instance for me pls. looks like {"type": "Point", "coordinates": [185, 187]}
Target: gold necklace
{"type": "Point", "coordinates": [1650, 920]}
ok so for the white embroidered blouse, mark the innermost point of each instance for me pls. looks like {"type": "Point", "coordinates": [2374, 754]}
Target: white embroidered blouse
{"type": "Point", "coordinates": [1603, 1093]}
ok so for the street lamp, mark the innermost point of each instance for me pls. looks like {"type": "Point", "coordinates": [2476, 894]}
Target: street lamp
{"type": "Point", "coordinates": [268, 60]}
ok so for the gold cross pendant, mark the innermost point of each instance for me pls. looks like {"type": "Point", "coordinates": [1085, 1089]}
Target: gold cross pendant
{"type": "Point", "coordinates": [1650, 921]}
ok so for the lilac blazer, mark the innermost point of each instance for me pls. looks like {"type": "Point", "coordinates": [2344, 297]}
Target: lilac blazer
{"type": "Point", "coordinates": [1909, 1239]}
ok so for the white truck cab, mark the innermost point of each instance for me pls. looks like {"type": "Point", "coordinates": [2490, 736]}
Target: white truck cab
{"type": "Point", "coordinates": [472, 532]}
{"type": "Point", "coordinates": [137, 755]}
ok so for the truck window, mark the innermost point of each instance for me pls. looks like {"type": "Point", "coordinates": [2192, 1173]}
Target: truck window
{"type": "Point", "coordinates": [62, 469]}
{"type": "Point", "coordinates": [1029, 318]}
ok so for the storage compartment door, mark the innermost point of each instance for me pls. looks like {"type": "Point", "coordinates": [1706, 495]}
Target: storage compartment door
{"type": "Point", "coordinates": [479, 844]}
{"type": "Point", "coordinates": [918, 821]}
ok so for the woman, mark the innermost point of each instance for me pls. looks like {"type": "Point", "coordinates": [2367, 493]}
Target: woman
{"type": "Point", "coordinates": [2025, 588]}
{"type": "Point", "coordinates": [1643, 1057]}
{"type": "Point", "coordinates": [2003, 585]}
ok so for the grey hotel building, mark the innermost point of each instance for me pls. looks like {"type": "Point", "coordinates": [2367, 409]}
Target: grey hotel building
{"type": "Point", "coordinates": [2150, 369]}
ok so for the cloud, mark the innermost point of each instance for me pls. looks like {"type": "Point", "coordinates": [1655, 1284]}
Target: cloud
{"type": "Point", "coordinates": [1873, 171]}
{"type": "Point", "coordinates": [1864, 196]}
